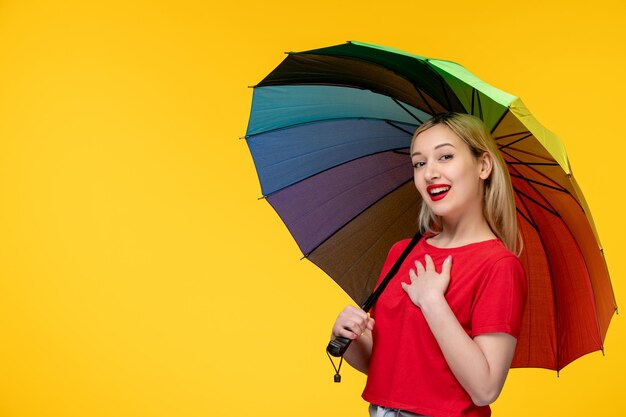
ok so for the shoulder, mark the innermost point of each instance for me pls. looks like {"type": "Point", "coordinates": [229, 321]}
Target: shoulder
{"type": "Point", "coordinates": [499, 261]}
{"type": "Point", "coordinates": [504, 269]}
{"type": "Point", "coordinates": [494, 251]}
{"type": "Point", "coordinates": [399, 246]}
{"type": "Point", "coordinates": [397, 249]}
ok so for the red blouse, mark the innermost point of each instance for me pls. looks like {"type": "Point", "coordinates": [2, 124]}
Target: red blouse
{"type": "Point", "coordinates": [487, 292]}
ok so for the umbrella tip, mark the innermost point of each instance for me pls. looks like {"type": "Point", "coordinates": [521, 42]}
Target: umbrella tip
{"type": "Point", "coordinates": [261, 198]}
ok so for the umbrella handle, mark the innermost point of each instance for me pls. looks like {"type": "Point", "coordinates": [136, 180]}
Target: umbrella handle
{"type": "Point", "coordinates": [338, 346]}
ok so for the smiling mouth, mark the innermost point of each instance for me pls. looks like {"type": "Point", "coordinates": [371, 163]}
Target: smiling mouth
{"type": "Point", "coordinates": [437, 192]}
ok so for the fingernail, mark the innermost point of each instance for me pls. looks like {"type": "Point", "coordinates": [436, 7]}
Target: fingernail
{"type": "Point", "coordinates": [449, 258]}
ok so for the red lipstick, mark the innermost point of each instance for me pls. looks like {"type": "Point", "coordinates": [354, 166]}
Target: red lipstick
{"type": "Point", "coordinates": [439, 190]}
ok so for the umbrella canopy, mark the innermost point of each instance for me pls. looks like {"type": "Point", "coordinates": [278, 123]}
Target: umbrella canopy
{"type": "Point", "coordinates": [329, 133]}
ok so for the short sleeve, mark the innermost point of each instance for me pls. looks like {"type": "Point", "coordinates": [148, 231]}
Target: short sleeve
{"type": "Point", "coordinates": [499, 303]}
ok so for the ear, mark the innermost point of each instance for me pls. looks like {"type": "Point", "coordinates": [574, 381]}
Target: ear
{"type": "Point", "coordinates": [486, 165]}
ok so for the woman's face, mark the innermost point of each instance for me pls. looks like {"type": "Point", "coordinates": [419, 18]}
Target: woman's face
{"type": "Point", "coordinates": [446, 174]}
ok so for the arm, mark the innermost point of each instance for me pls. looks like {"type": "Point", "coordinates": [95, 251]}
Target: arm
{"type": "Point", "coordinates": [356, 325]}
{"type": "Point", "coordinates": [480, 364]}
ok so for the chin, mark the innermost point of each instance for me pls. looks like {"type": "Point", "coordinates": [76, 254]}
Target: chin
{"type": "Point", "coordinates": [443, 212]}
{"type": "Point", "coordinates": [438, 209]}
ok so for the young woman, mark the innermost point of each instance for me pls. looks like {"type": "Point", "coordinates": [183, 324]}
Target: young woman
{"type": "Point", "coordinates": [441, 338]}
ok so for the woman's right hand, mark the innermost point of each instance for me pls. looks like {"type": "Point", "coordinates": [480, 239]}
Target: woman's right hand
{"type": "Point", "coordinates": [351, 323]}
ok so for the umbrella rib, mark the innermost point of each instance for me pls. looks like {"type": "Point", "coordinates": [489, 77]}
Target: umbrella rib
{"type": "Point", "coordinates": [567, 227]}
{"type": "Point", "coordinates": [332, 167]}
{"type": "Point", "coordinates": [428, 65]}
{"type": "Point", "coordinates": [544, 176]}
{"type": "Point", "coordinates": [445, 93]}
{"type": "Point", "coordinates": [499, 121]}
{"type": "Point", "coordinates": [525, 132]}
{"type": "Point", "coordinates": [556, 312]}
{"type": "Point", "coordinates": [527, 153]}
{"type": "Point", "coordinates": [362, 181]}
{"type": "Point", "coordinates": [551, 209]}
{"type": "Point", "coordinates": [515, 141]}
{"type": "Point", "coordinates": [306, 255]}
{"type": "Point", "coordinates": [406, 110]}
{"type": "Point", "coordinates": [390, 123]}
{"type": "Point", "coordinates": [380, 235]}
{"type": "Point", "coordinates": [539, 182]}
{"type": "Point", "coordinates": [548, 209]}
{"type": "Point", "coordinates": [419, 91]}
{"type": "Point", "coordinates": [480, 106]}
{"type": "Point", "coordinates": [527, 219]}
{"type": "Point", "coordinates": [326, 148]}
{"type": "Point", "coordinates": [531, 221]}
{"type": "Point", "coordinates": [449, 106]}
{"type": "Point", "coordinates": [399, 74]}
{"type": "Point", "coordinates": [558, 359]}
{"type": "Point", "coordinates": [553, 164]}
{"type": "Point", "coordinates": [552, 275]}
{"type": "Point", "coordinates": [593, 300]}
{"type": "Point", "coordinates": [313, 122]}
{"type": "Point", "coordinates": [530, 167]}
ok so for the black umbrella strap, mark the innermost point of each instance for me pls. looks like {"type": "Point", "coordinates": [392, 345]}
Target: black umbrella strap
{"type": "Point", "coordinates": [337, 368]}
{"type": "Point", "coordinates": [371, 300]}
{"type": "Point", "coordinates": [339, 345]}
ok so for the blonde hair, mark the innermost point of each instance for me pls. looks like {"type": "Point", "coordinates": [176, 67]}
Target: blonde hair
{"type": "Point", "coordinates": [498, 200]}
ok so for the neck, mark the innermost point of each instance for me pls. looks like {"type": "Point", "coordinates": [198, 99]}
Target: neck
{"type": "Point", "coordinates": [471, 227]}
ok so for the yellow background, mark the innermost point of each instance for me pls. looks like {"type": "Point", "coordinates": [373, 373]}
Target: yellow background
{"type": "Point", "coordinates": [140, 275]}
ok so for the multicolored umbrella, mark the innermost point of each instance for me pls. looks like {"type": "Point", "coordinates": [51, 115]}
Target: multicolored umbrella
{"type": "Point", "coordinates": [329, 133]}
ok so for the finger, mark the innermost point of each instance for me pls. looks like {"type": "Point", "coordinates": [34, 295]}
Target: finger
{"type": "Point", "coordinates": [359, 324]}
{"type": "Point", "coordinates": [430, 265]}
{"type": "Point", "coordinates": [370, 323]}
{"type": "Point", "coordinates": [349, 320]}
{"type": "Point", "coordinates": [419, 267]}
{"type": "Point", "coordinates": [355, 311]}
{"type": "Point", "coordinates": [342, 330]}
{"type": "Point", "coordinates": [412, 275]}
{"type": "Point", "coordinates": [353, 328]}
{"type": "Point", "coordinates": [363, 324]}
{"type": "Point", "coordinates": [447, 265]}
{"type": "Point", "coordinates": [405, 287]}
{"type": "Point", "coordinates": [347, 333]}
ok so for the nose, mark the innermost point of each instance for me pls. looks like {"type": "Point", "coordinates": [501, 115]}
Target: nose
{"type": "Point", "coordinates": [431, 172]}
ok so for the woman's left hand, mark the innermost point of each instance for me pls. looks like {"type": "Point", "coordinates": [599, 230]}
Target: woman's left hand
{"type": "Point", "coordinates": [426, 283]}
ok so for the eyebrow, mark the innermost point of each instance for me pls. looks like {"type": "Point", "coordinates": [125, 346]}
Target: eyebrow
{"type": "Point", "coordinates": [436, 147]}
